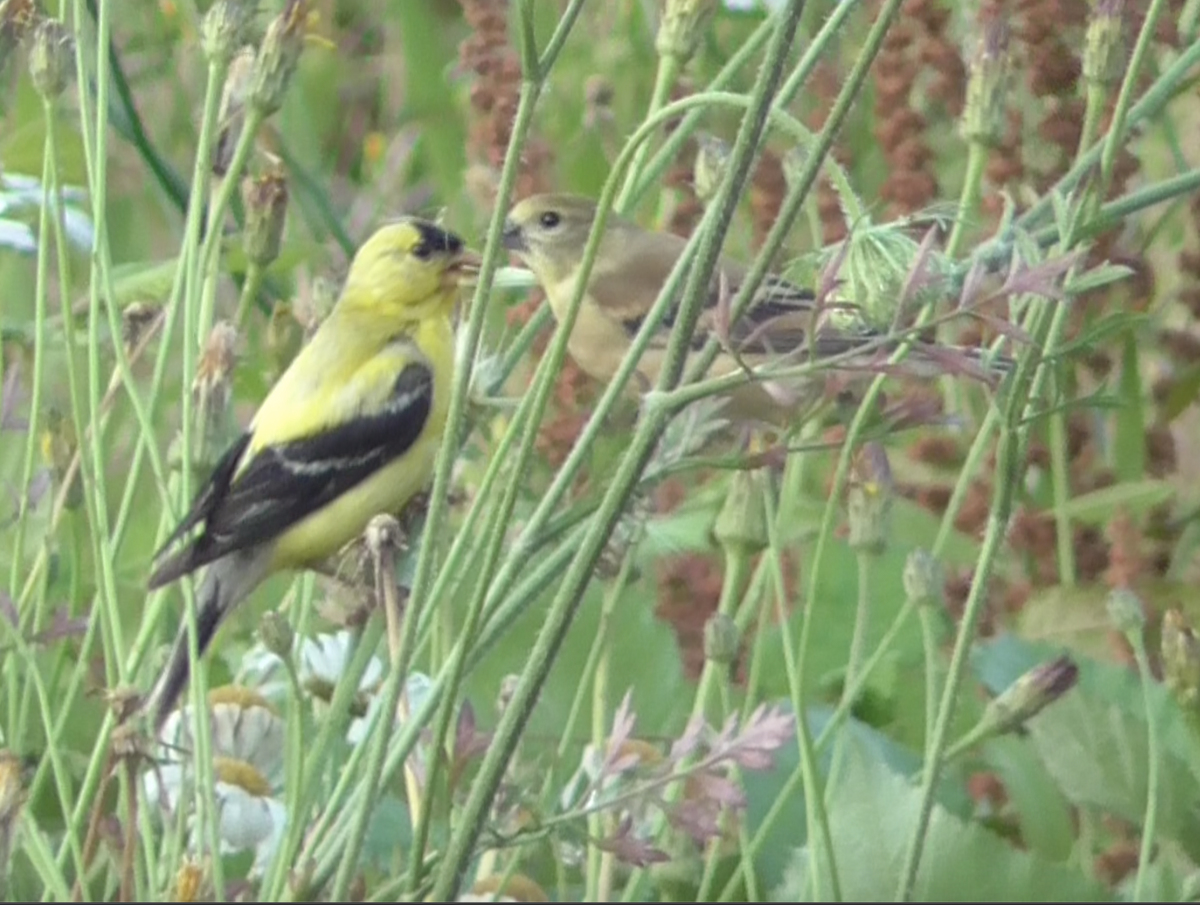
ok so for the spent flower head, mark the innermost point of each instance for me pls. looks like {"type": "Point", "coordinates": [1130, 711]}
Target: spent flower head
{"type": "Point", "coordinates": [50, 58]}
{"type": "Point", "coordinates": [722, 640]}
{"type": "Point", "coordinates": [712, 160]}
{"type": "Point", "coordinates": [1032, 693]}
{"type": "Point", "coordinates": [266, 198]}
{"type": "Point", "coordinates": [224, 29]}
{"type": "Point", "coordinates": [741, 525]}
{"type": "Point", "coordinates": [278, 56]}
{"type": "Point", "coordinates": [869, 498]}
{"type": "Point", "coordinates": [924, 580]}
{"type": "Point", "coordinates": [984, 115]}
{"type": "Point", "coordinates": [682, 26]}
{"type": "Point", "coordinates": [1181, 659]}
{"type": "Point", "coordinates": [1104, 46]}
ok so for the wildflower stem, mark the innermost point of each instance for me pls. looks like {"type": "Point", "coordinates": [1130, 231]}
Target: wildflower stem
{"type": "Point", "coordinates": [968, 201]}
{"type": "Point", "coordinates": [1115, 139]}
{"type": "Point", "coordinates": [707, 243]}
{"type": "Point", "coordinates": [1137, 639]}
{"type": "Point", "coordinates": [664, 80]}
{"type": "Point", "coordinates": [250, 290]}
{"type": "Point", "coordinates": [858, 641]}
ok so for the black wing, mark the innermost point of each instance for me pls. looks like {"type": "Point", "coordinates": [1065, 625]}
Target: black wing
{"type": "Point", "coordinates": [282, 484]}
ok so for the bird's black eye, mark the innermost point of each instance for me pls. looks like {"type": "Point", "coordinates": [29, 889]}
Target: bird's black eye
{"type": "Point", "coordinates": [422, 250]}
{"type": "Point", "coordinates": [550, 219]}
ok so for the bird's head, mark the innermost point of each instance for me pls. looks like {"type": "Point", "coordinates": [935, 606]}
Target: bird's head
{"type": "Point", "coordinates": [549, 232]}
{"type": "Point", "coordinates": [409, 267]}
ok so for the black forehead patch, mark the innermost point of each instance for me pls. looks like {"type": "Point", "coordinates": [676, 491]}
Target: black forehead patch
{"type": "Point", "coordinates": [438, 239]}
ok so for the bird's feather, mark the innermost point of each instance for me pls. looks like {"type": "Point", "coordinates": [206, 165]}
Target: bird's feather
{"type": "Point", "coordinates": [284, 482]}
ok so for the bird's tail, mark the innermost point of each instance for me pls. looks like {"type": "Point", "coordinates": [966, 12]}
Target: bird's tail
{"type": "Point", "coordinates": [225, 584]}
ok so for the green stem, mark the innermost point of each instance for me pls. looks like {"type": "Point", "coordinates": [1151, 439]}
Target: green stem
{"type": "Point", "coordinates": [550, 638]}
{"type": "Point", "coordinates": [1154, 768]}
{"type": "Point", "coordinates": [858, 641]}
{"type": "Point", "coordinates": [664, 80]}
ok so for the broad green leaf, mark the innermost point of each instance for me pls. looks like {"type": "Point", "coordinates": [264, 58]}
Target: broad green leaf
{"type": "Point", "coordinates": [1045, 817]}
{"type": "Point", "coordinates": [1099, 506]}
{"type": "Point", "coordinates": [1094, 741]}
{"type": "Point", "coordinates": [872, 816]}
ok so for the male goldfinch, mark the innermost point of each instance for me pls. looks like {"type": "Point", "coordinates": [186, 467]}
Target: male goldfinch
{"type": "Point", "coordinates": [350, 430]}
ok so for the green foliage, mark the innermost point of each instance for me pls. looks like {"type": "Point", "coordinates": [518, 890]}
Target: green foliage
{"type": "Point", "coordinates": [545, 649]}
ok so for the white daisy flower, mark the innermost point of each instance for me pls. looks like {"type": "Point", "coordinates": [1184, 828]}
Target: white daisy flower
{"type": "Point", "coordinates": [247, 742]}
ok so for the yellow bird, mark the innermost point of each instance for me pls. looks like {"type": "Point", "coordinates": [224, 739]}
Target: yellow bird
{"type": "Point", "coordinates": [549, 234]}
{"type": "Point", "coordinates": [350, 430]}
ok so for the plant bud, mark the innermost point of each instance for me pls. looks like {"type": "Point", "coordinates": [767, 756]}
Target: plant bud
{"type": "Point", "coordinates": [924, 581]}
{"type": "Point", "coordinates": [224, 29]}
{"type": "Point", "coordinates": [1181, 659]}
{"type": "Point", "coordinates": [232, 112]}
{"type": "Point", "coordinates": [266, 207]}
{"type": "Point", "coordinates": [742, 522]}
{"type": "Point", "coordinates": [213, 384]}
{"type": "Point", "coordinates": [682, 26]}
{"type": "Point", "coordinates": [136, 320]}
{"type": "Point", "coordinates": [869, 499]}
{"type": "Point", "coordinates": [722, 640]}
{"type": "Point", "coordinates": [1032, 693]}
{"type": "Point", "coordinates": [712, 160]}
{"type": "Point", "coordinates": [50, 60]}
{"type": "Point", "coordinates": [17, 19]}
{"type": "Point", "coordinates": [987, 88]}
{"type": "Point", "coordinates": [1104, 46]}
{"type": "Point", "coordinates": [278, 56]}
{"type": "Point", "coordinates": [1125, 611]}
{"type": "Point", "coordinates": [276, 634]}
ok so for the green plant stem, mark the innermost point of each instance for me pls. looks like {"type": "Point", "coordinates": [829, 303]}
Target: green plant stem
{"type": "Point", "coordinates": [530, 89]}
{"type": "Point", "coordinates": [858, 641]}
{"type": "Point", "coordinates": [1153, 771]}
{"type": "Point", "coordinates": [737, 567]}
{"type": "Point", "coordinates": [550, 638]}
{"type": "Point", "coordinates": [250, 290]}
{"type": "Point", "coordinates": [930, 651]}
{"type": "Point", "coordinates": [1008, 463]}
{"type": "Point", "coordinates": [1118, 125]}
{"type": "Point", "coordinates": [664, 80]}
{"type": "Point", "coordinates": [968, 201]}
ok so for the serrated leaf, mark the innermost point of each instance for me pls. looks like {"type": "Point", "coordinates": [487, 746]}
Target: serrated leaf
{"type": "Point", "coordinates": [1094, 741]}
{"type": "Point", "coordinates": [1098, 276]}
{"type": "Point", "coordinates": [1101, 331]}
{"type": "Point", "coordinates": [1099, 506]}
{"type": "Point", "coordinates": [871, 817]}
{"type": "Point", "coordinates": [1045, 818]}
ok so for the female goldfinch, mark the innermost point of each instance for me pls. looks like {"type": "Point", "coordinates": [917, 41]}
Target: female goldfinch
{"type": "Point", "coordinates": [349, 431]}
{"type": "Point", "coordinates": [549, 234]}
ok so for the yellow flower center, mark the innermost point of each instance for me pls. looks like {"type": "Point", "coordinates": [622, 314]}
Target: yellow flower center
{"type": "Point", "coordinates": [242, 774]}
{"type": "Point", "coordinates": [239, 696]}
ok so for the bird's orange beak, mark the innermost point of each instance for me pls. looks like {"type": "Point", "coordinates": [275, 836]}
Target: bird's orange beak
{"type": "Point", "coordinates": [465, 268]}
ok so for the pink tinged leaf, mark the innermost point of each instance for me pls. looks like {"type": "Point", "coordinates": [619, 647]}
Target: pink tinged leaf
{"type": "Point", "coordinates": [630, 849]}
{"type": "Point", "coordinates": [61, 626]}
{"type": "Point", "coordinates": [972, 288]}
{"type": "Point", "coordinates": [720, 790]}
{"type": "Point", "coordinates": [696, 818]}
{"type": "Point", "coordinates": [1041, 279]}
{"type": "Point", "coordinates": [686, 744]}
{"type": "Point", "coordinates": [1002, 326]}
{"type": "Point", "coordinates": [623, 723]}
{"type": "Point", "coordinates": [919, 275]}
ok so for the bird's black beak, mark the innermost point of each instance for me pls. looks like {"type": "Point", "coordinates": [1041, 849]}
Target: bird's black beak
{"type": "Point", "coordinates": [513, 239]}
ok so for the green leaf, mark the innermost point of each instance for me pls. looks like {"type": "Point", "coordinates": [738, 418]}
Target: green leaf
{"type": "Point", "coordinates": [872, 816]}
{"type": "Point", "coordinates": [1044, 814]}
{"type": "Point", "coordinates": [1099, 506]}
{"type": "Point", "coordinates": [1098, 276]}
{"type": "Point", "coordinates": [1093, 741]}
{"type": "Point", "coordinates": [1129, 448]}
